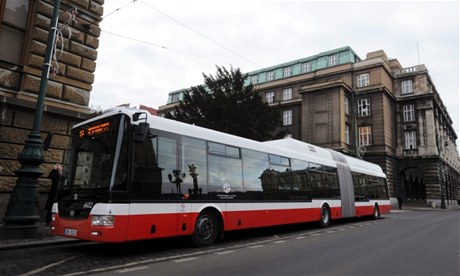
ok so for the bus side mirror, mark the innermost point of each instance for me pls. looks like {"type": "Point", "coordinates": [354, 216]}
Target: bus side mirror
{"type": "Point", "coordinates": [137, 116]}
{"type": "Point", "coordinates": [140, 132]}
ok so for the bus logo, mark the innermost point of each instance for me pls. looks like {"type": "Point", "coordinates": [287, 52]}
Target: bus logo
{"type": "Point", "coordinates": [227, 188]}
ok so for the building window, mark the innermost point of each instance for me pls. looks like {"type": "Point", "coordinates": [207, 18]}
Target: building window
{"type": "Point", "coordinates": [364, 107]}
{"type": "Point", "coordinates": [410, 139]}
{"type": "Point", "coordinates": [364, 136]}
{"type": "Point", "coordinates": [346, 106]}
{"type": "Point", "coordinates": [254, 79]}
{"type": "Point", "coordinates": [306, 67]}
{"type": "Point", "coordinates": [347, 133]}
{"type": "Point", "coordinates": [363, 80]}
{"type": "Point", "coordinates": [408, 113]}
{"type": "Point", "coordinates": [287, 71]}
{"type": "Point", "coordinates": [287, 94]}
{"type": "Point", "coordinates": [406, 87]}
{"type": "Point", "coordinates": [269, 76]}
{"type": "Point", "coordinates": [13, 29]}
{"type": "Point", "coordinates": [176, 97]}
{"type": "Point", "coordinates": [287, 117]}
{"type": "Point", "coordinates": [270, 97]}
{"type": "Point", "coordinates": [332, 60]}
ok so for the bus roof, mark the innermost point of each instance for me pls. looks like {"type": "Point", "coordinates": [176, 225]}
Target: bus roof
{"type": "Point", "coordinates": [355, 164]}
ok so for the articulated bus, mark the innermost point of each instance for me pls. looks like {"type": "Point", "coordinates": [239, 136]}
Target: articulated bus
{"type": "Point", "coordinates": [133, 176]}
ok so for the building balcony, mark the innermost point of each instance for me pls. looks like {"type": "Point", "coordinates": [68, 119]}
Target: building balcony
{"type": "Point", "coordinates": [410, 153]}
{"type": "Point", "coordinates": [410, 70]}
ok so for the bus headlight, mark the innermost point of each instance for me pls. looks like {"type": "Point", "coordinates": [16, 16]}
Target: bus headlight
{"type": "Point", "coordinates": [102, 220]}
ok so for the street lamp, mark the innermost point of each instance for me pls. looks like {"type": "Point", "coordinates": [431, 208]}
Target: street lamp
{"type": "Point", "coordinates": [22, 209]}
{"type": "Point", "coordinates": [443, 190]}
{"type": "Point", "coordinates": [444, 171]}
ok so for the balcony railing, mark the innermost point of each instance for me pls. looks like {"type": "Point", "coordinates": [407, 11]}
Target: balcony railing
{"type": "Point", "coordinates": [411, 70]}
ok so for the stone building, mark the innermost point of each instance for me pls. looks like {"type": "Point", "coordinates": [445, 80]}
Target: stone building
{"type": "Point", "coordinates": [373, 109]}
{"type": "Point", "coordinates": [24, 27]}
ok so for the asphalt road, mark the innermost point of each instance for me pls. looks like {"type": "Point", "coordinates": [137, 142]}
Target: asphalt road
{"type": "Point", "coordinates": [415, 243]}
{"type": "Point", "coordinates": [401, 243]}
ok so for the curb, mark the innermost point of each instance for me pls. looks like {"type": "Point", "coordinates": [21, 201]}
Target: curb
{"type": "Point", "coordinates": [36, 243]}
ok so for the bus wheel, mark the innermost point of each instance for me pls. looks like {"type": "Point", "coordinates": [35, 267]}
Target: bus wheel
{"type": "Point", "coordinates": [206, 229]}
{"type": "Point", "coordinates": [376, 214]}
{"type": "Point", "coordinates": [325, 216]}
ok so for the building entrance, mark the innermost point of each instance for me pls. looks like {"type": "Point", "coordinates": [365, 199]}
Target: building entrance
{"type": "Point", "coordinates": [414, 186]}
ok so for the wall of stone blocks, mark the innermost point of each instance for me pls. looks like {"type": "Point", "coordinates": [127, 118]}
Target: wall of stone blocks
{"type": "Point", "coordinates": [68, 93]}
{"type": "Point", "coordinates": [76, 62]}
{"type": "Point", "coordinates": [15, 125]}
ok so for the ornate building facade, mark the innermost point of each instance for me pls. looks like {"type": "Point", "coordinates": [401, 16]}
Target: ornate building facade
{"type": "Point", "coordinates": [24, 28]}
{"type": "Point", "coordinates": [374, 109]}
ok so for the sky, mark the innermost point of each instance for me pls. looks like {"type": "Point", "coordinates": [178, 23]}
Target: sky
{"type": "Point", "coordinates": [149, 48]}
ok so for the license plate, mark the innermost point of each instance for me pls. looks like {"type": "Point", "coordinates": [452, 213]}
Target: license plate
{"type": "Point", "coordinates": [70, 232]}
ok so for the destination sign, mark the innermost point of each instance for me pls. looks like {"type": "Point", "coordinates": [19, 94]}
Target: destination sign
{"type": "Point", "coordinates": [95, 130]}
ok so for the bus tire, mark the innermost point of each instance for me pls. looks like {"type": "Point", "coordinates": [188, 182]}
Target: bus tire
{"type": "Point", "coordinates": [207, 229]}
{"type": "Point", "coordinates": [325, 220]}
{"type": "Point", "coordinates": [376, 214]}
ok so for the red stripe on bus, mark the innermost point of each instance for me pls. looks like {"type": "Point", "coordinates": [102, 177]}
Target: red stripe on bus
{"type": "Point", "coordinates": [151, 226]}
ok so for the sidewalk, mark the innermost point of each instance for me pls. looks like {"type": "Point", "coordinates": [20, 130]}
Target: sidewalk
{"type": "Point", "coordinates": [39, 236]}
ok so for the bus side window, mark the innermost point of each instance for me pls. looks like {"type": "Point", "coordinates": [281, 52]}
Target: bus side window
{"type": "Point", "coordinates": [147, 174]}
{"type": "Point", "coordinates": [195, 168]}
{"type": "Point", "coordinates": [301, 189]}
{"type": "Point", "coordinates": [255, 173]}
{"type": "Point", "coordinates": [316, 179]}
{"type": "Point", "coordinates": [280, 178]}
{"type": "Point", "coordinates": [172, 176]}
{"type": "Point", "coordinates": [225, 172]}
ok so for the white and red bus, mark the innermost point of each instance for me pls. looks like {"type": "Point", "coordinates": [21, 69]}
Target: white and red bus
{"type": "Point", "coordinates": [133, 176]}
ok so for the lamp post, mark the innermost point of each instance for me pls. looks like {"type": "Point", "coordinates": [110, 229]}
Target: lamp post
{"type": "Point", "coordinates": [443, 185]}
{"type": "Point", "coordinates": [22, 209]}
{"type": "Point", "coordinates": [444, 171]}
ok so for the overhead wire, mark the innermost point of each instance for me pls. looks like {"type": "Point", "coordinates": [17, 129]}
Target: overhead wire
{"type": "Point", "coordinates": [164, 47]}
{"type": "Point", "coordinates": [200, 34]}
{"type": "Point", "coordinates": [117, 9]}
{"type": "Point", "coordinates": [171, 49]}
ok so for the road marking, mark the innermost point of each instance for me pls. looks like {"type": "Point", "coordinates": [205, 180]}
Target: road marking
{"type": "Point", "coordinates": [190, 256]}
{"type": "Point", "coordinates": [185, 260]}
{"type": "Point", "coordinates": [126, 270]}
{"type": "Point", "coordinates": [330, 231]}
{"type": "Point", "coordinates": [281, 241]}
{"type": "Point", "coordinates": [300, 238]}
{"type": "Point", "coordinates": [48, 266]}
{"type": "Point", "coordinates": [225, 252]}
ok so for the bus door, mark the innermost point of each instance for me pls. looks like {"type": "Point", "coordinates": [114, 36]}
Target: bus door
{"type": "Point", "coordinates": [347, 194]}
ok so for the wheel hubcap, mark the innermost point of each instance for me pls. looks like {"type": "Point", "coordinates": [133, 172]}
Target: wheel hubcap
{"type": "Point", "coordinates": [205, 227]}
{"type": "Point", "coordinates": [325, 216]}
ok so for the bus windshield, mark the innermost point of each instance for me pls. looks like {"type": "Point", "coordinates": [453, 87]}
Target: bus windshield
{"type": "Point", "coordinates": [96, 153]}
